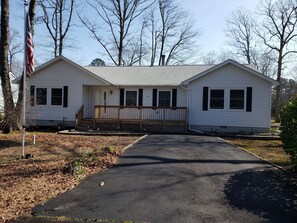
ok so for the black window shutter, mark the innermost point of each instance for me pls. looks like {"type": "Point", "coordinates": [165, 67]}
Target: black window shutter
{"type": "Point", "coordinates": [155, 97]}
{"type": "Point", "coordinates": [32, 95]}
{"type": "Point", "coordinates": [174, 97]}
{"type": "Point", "coordinates": [205, 99]}
{"type": "Point", "coordinates": [122, 95]}
{"type": "Point", "coordinates": [140, 97]}
{"type": "Point", "coordinates": [249, 99]}
{"type": "Point", "coordinates": [65, 97]}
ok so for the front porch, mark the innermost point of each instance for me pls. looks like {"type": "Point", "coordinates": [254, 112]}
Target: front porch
{"type": "Point", "coordinates": [136, 119]}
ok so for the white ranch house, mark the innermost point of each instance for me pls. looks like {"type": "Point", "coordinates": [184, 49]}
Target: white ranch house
{"type": "Point", "coordinates": [228, 97]}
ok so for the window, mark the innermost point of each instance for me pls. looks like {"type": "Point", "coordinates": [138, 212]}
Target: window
{"type": "Point", "coordinates": [57, 96]}
{"type": "Point", "coordinates": [216, 99]}
{"type": "Point", "coordinates": [131, 98]}
{"type": "Point", "coordinates": [164, 98]}
{"type": "Point", "coordinates": [236, 99]}
{"type": "Point", "coordinates": [41, 96]}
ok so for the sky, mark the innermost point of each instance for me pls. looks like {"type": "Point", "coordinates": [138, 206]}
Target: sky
{"type": "Point", "coordinates": [210, 16]}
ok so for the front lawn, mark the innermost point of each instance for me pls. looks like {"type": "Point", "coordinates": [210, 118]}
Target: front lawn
{"type": "Point", "coordinates": [59, 163]}
{"type": "Point", "coordinates": [270, 150]}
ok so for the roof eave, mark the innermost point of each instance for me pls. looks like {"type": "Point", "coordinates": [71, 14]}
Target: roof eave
{"type": "Point", "coordinates": [50, 62]}
{"type": "Point", "coordinates": [272, 81]}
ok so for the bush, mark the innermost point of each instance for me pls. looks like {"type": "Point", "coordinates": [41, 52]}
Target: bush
{"type": "Point", "coordinates": [288, 117]}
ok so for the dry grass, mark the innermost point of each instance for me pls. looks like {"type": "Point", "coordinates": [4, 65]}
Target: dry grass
{"type": "Point", "coordinates": [27, 182]}
{"type": "Point", "coordinates": [270, 150]}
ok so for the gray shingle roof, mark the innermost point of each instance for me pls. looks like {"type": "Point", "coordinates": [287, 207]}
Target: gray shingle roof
{"type": "Point", "coordinates": [148, 76]}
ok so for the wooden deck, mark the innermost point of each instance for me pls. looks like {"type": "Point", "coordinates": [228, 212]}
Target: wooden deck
{"type": "Point", "coordinates": [140, 119]}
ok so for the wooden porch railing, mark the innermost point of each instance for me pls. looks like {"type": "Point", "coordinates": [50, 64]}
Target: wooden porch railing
{"type": "Point", "coordinates": [79, 115]}
{"type": "Point", "coordinates": [158, 118]}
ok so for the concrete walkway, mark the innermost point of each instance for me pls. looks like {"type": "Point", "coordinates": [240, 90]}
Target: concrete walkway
{"type": "Point", "coordinates": [182, 178]}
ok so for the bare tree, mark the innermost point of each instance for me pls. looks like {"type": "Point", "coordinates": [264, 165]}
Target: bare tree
{"type": "Point", "coordinates": [132, 54]}
{"type": "Point", "coordinates": [150, 21]}
{"type": "Point", "coordinates": [142, 48]}
{"type": "Point", "coordinates": [57, 17]}
{"type": "Point", "coordinates": [278, 32]}
{"type": "Point", "coordinates": [264, 62]}
{"type": "Point", "coordinates": [240, 34]}
{"type": "Point", "coordinates": [136, 49]}
{"type": "Point", "coordinates": [243, 41]}
{"type": "Point", "coordinates": [117, 18]}
{"type": "Point", "coordinates": [15, 47]}
{"type": "Point", "coordinates": [173, 35]}
{"type": "Point", "coordinates": [210, 58]}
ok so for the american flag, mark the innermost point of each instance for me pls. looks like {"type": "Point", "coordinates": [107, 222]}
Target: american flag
{"type": "Point", "coordinates": [29, 49]}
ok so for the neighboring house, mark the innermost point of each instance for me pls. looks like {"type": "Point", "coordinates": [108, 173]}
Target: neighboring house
{"type": "Point", "coordinates": [228, 97]}
{"type": "Point", "coordinates": [14, 88]}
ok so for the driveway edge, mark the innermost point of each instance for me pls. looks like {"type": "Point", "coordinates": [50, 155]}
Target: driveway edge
{"type": "Point", "coordinates": [133, 143]}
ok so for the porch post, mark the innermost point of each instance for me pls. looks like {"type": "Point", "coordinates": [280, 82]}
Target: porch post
{"type": "Point", "coordinates": [186, 119]}
{"type": "Point", "coordinates": [140, 116]}
{"type": "Point", "coordinates": [164, 123]}
{"type": "Point", "coordinates": [94, 121]}
{"type": "Point", "coordinates": [119, 125]}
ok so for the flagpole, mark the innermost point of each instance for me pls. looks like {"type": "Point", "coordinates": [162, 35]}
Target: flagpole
{"type": "Point", "coordinates": [24, 77]}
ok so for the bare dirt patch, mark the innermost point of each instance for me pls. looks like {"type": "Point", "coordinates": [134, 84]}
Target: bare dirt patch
{"type": "Point", "coordinates": [270, 150]}
{"type": "Point", "coordinates": [59, 162]}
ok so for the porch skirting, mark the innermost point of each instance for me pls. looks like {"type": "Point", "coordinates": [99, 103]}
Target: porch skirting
{"type": "Point", "coordinates": [155, 126]}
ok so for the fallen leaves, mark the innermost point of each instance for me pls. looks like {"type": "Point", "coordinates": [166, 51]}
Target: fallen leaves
{"type": "Point", "coordinates": [27, 182]}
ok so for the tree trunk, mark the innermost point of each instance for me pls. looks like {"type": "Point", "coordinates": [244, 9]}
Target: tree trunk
{"type": "Point", "coordinates": [60, 27]}
{"type": "Point", "coordinates": [32, 8]}
{"type": "Point", "coordinates": [121, 44]}
{"type": "Point", "coordinates": [278, 88]}
{"type": "Point", "coordinates": [4, 67]}
{"type": "Point", "coordinates": [161, 50]}
{"type": "Point", "coordinates": [19, 105]}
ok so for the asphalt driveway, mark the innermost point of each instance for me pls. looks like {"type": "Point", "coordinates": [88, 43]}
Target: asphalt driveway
{"type": "Point", "coordinates": [182, 178]}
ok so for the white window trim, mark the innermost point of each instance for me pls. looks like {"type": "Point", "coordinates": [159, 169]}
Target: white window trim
{"type": "Point", "coordinates": [225, 97]}
{"type": "Point", "coordinates": [126, 97]}
{"type": "Point", "coordinates": [244, 102]}
{"type": "Point", "coordinates": [170, 91]}
{"type": "Point", "coordinates": [62, 96]}
{"type": "Point", "coordinates": [35, 96]}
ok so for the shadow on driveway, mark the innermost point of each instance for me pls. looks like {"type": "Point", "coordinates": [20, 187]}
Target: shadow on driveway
{"type": "Point", "coordinates": [270, 193]}
{"type": "Point", "coordinates": [163, 160]}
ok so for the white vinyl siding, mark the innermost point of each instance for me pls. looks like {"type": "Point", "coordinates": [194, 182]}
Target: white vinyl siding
{"type": "Point", "coordinates": [229, 78]}
{"type": "Point", "coordinates": [64, 74]}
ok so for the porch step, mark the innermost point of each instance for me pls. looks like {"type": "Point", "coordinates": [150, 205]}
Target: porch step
{"type": "Point", "coordinates": [85, 124]}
